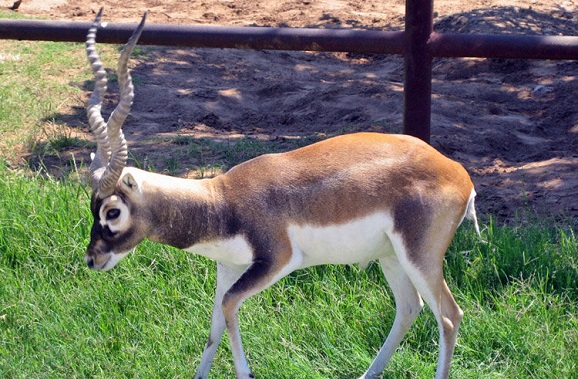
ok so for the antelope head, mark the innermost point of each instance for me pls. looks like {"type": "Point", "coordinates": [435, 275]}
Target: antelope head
{"type": "Point", "coordinates": [111, 187]}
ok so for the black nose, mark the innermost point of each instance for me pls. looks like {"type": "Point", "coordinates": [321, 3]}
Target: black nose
{"type": "Point", "coordinates": [89, 262]}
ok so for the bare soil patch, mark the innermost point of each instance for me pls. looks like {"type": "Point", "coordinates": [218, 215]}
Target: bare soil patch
{"type": "Point", "coordinates": [512, 123]}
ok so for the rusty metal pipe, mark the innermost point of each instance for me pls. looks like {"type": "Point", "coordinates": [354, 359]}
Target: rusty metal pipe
{"type": "Point", "coordinates": [367, 41]}
{"type": "Point", "coordinates": [504, 46]}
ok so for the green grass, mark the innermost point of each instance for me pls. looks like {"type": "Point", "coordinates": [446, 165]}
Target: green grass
{"type": "Point", "coordinates": [42, 85]}
{"type": "Point", "coordinates": [149, 317]}
{"type": "Point", "coordinates": [28, 82]}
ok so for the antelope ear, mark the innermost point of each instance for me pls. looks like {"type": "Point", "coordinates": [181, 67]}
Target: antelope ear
{"type": "Point", "coordinates": [130, 184]}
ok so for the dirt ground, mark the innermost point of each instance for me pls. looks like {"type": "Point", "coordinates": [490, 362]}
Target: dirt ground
{"type": "Point", "coordinates": [512, 123]}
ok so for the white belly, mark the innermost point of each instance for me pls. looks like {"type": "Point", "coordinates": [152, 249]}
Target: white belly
{"type": "Point", "coordinates": [358, 241]}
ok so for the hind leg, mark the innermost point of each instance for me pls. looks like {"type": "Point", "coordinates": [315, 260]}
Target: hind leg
{"type": "Point", "coordinates": [429, 282]}
{"type": "Point", "coordinates": [449, 319]}
{"type": "Point", "coordinates": [408, 305]}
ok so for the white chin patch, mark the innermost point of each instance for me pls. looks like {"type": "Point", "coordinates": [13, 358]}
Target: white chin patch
{"type": "Point", "coordinates": [113, 260]}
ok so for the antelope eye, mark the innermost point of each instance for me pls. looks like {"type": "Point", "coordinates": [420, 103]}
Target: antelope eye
{"type": "Point", "coordinates": [111, 214]}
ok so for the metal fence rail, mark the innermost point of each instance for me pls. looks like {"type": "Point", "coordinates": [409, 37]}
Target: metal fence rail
{"type": "Point", "coordinates": [269, 38]}
{"type": "Point", "coordinates": [264, 38]}
{"type": "Point", "coordinates": [419, 44]}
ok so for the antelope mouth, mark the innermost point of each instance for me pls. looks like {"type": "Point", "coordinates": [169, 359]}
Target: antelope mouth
{"type": "Point", "coordinates": [98, 265]}
{"type": "Point", "coordinates": [106, 262]}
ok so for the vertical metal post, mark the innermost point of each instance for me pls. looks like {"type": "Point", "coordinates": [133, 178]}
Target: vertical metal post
{"type": "Point", "coordinates": [418, 68]}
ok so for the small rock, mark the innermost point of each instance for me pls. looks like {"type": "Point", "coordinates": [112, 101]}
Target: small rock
{"type": "Point", "coordinates": [541, 90]}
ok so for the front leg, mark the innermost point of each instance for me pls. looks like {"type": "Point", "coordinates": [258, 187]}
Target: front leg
{"type": "Point", "coordinates": [260, 275]}
{"type": "Point", "coordinates": [226, 276]}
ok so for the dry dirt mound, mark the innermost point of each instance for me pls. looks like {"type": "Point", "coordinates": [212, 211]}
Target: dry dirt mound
{"type": "Point", "coordinates": [512, 123]}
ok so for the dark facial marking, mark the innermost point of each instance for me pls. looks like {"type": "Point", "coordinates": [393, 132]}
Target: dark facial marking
{"type": "Point", "coordinates": [102, 239]}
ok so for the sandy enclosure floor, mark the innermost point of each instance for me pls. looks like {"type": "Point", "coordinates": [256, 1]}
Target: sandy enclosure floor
{"type": "Point", "coordinates": [512, 123]}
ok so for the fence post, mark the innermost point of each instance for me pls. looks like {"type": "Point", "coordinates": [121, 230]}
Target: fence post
{"type": "Point", "coordinates": [418, 68]}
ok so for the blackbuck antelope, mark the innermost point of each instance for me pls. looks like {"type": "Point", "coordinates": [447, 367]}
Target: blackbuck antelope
{"type": "Point", "coordinates": [349, 199]}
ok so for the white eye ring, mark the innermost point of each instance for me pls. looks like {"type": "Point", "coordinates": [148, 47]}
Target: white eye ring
{"type": "Point", "coordinates": [115, 214]}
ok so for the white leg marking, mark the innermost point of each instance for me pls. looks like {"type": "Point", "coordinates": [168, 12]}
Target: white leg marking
{"type": "Point", "coordinates": [225, 278]}
{"type": "Point", "coordinates": [449, 321]}
{"type": "Point", "coordinates": [434, 291]}
{"type": "Point", "coordinates": [408, 304]}
{"type": "Point", "coordinates": [242, 368]}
